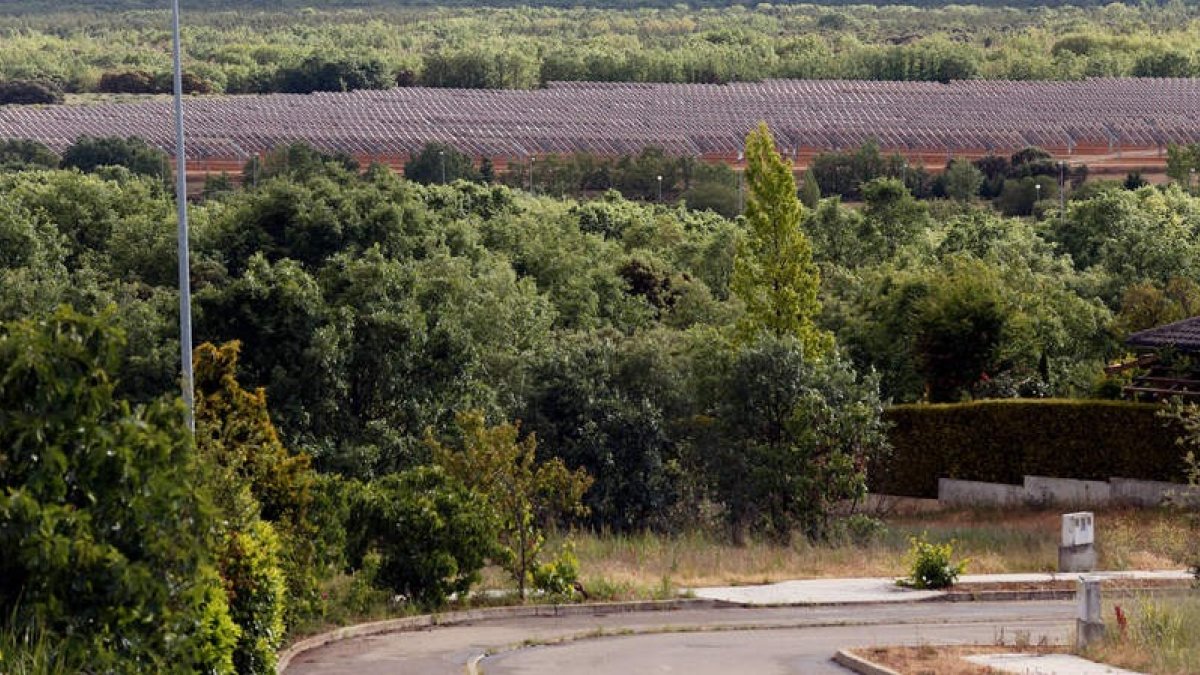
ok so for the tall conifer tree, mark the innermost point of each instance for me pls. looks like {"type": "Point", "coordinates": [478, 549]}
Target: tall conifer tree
{"type": "Point", "coordinates": [774, 274]}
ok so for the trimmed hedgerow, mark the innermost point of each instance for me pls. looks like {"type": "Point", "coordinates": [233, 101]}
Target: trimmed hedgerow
{"type": "Point", "coordinates": [1004, 440]}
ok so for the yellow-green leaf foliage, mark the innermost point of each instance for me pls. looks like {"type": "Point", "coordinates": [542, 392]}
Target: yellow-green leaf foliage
{"type": "Point", "coordinates": [774, 274]}
{"type": "Point", "coordinates": [497, 464]}
{"type": "Point", "coordinates": [255, 477]}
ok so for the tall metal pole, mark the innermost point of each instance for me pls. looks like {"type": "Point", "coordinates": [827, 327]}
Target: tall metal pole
{"type": "Point", "coordinates": [1062, 194]}
{"type": "Point", "coordinates": [185, 283]}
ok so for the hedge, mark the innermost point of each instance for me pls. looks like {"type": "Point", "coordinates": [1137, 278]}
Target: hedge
{"type": "Point", "coordinates": [1004, 440]}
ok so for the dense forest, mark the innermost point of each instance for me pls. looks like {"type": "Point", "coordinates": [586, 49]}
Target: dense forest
{"type": "Point", "coordinates": [403, 379]}
{"type": "Point", "coordinates": [400, 381]}
{"type": "Point", "coordinates": [522, 47]}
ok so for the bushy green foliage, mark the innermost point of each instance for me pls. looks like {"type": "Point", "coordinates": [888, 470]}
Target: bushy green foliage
{"type": "Point", "coordinates": [1003, 441]}
{"type": "Point", "coordinates": [432, 534]}
{"type": "Point", "coordinates": [104, 521]}
{"type": "Point", "coordinates": [523, 493]}
{"type": "Point", "coordinates": [248, 560]}
{"type": "Point", "coordinates": [26, 92]}
{"type": "Point", "coordinates": [18, 154]}
{"type": "Point", "coordinates": [786, 436]}
{"type": "Point", "coordinates": [255, 479]}
{"type": "Point", "coordinates": [323, 73]}
{"type": "Point", "coordinates": [342, 45]}
{"type": "Point", "coordinates": [611, 406]}
{"type": "Point", "coordinates": [439, 163]}
{"type": "Point", "coordinates": [931, 565]}
{"type": "Point", "coordinates": [89, 154]}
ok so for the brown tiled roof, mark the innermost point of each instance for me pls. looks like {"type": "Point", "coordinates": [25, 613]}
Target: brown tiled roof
{"type": "Point", "coordinates": [1182, 335]}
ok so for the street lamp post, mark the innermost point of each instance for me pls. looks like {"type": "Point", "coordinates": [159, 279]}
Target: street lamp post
{"type": "Point", "coordinates": [185, 284]}
{"type": "Point", "coordinates": [1038, 196]}
{"type": "Point", "coordinates": [442, 157]}
{"type": "Point", "coordinates": [1062, 193]}
{"type": "Point", "coordinates": [532, 160]}
{"type": "Point", "coordinates": [659, 187]}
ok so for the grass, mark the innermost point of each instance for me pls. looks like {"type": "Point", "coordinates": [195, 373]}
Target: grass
{"type": "Point", "coordinates": [28, 651]}
{"type": "Point", "coordinates": [1160, 636]}
{"type": "Point", "coordinates": [645, 565]}
{"type": "Point", "coordinates": [938, 660]}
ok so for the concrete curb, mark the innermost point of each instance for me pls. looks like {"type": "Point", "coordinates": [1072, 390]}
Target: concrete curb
{"type": "Point", "coordinates": [1022, 596]}
{"type": "Point", "coordinates": [860, 665]}
{"type": "Point", "coordinates": [425, 621]}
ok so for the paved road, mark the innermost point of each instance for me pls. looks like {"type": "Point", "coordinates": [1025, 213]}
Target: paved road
{"type": "Point", "coordinates": [698, 642]}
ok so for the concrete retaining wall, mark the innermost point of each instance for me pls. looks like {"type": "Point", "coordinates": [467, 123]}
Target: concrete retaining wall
{"type": "Point", "coordinates": [1047, 491]}
{"type": "Point", "coordinates": [952, 492]}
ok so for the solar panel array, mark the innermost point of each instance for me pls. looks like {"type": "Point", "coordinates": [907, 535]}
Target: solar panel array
{"type": "Point", "coordinates": [683, 119]}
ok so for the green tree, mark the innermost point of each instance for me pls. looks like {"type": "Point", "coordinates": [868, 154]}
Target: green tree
{"type": "Point", "coordinates": [1183, 161]}
{"type": "Point", "coordinates": [608, 406]}
{"type": "Point", "coordinates": [18, 154]}
{"type": "Point", "coordinates": [105, 521]}
{"type": "Point", "coordinates": [90, 153]}
{"type": "Point", "coordinates": [958, 332]}
{"type": "Point", "coordinates": [810, 191]}
{"type": "Point", "coordinates": [962, 180]}
{"type": "Point", "coordinates": [773, 273]}
{"type": "Point", "coordinates": [524, 493]}
{"type": "Point", "coordinates": [433, 535]}
{"type": "Point", "coordinates": [784, 438]}
{"type": "Point", "coordinates": [891, 215]}
{"type": "Point", "coordinates": [439, 163]}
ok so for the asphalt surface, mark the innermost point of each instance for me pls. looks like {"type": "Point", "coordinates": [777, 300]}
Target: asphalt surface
{"type": "Point", "coordinates": [695, 641]}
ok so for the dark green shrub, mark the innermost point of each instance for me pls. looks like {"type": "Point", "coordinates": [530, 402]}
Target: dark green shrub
{"type": "Point", "coordinates": [439, 163]}
{"type": "Point", "coordinates": [26, 92]}
{"type": "Point", "coordinates": [17, 154]}
{"type": "Point", "coordinates": [433, 535]}
{"type": "Point", "coordinates": [105, 524]}
{"type": "Point", "coordinates": [89, 154]}
{"type": "Point", "coordinates": [129, 82]}
{"type": "Point", "coordinates": [787, 437]}
{"type": "Point", "coordinates": [1004, 440]}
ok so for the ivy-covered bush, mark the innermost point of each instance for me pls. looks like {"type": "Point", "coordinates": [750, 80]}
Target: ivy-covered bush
{"type": "Point", "coordinates": [105, 526]}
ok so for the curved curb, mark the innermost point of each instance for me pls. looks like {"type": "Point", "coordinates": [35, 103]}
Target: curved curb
{"type": "Point", "coordinates": [860, 665]}
{"type": "Point", "coordinates": [412, 623]}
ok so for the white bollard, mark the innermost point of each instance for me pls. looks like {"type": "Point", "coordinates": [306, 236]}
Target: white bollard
{"type": "Point", "coordinates": [1077, 551]}
{"type": "Point", "coordinates": [1089, 624]}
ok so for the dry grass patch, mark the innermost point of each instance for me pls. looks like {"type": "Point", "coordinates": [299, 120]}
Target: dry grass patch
{"type": "Point", "coordinates": [995, 541]}
{"type": "Point", "coordinates": [1157, 635]}
{"type": "Point", "coordinates": [935, 660]}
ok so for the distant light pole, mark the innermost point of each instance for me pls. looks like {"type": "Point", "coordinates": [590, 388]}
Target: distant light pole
{"type": "Point", "coordinates": [185, 283]}
{"type": "Point", "coordinates": [659, 187]}
{"type": "Point", "coordinates": [741, 188]}
{"type": "Point", "coordinates": [1062, 194]}
{"type": "Point", "coordinates": [1038, 188]}
{"type": "Point", "coordinates": [442, 156]}
{"type": "Point", "coordinates": [532, 159]}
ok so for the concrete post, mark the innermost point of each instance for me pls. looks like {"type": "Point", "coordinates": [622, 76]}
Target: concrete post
{"type": "Point", "coordinates": [1089, 625]}
{"type": "Point", "coordinates": [1077, 552]}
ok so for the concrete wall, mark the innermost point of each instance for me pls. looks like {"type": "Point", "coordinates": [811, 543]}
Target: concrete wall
{"type": "Point", "coordinates": [952, 492]}
{"type": "Point", "coordinates": [1046, 491]}
{"type": "Point", "coordinates": [1152, 493]}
